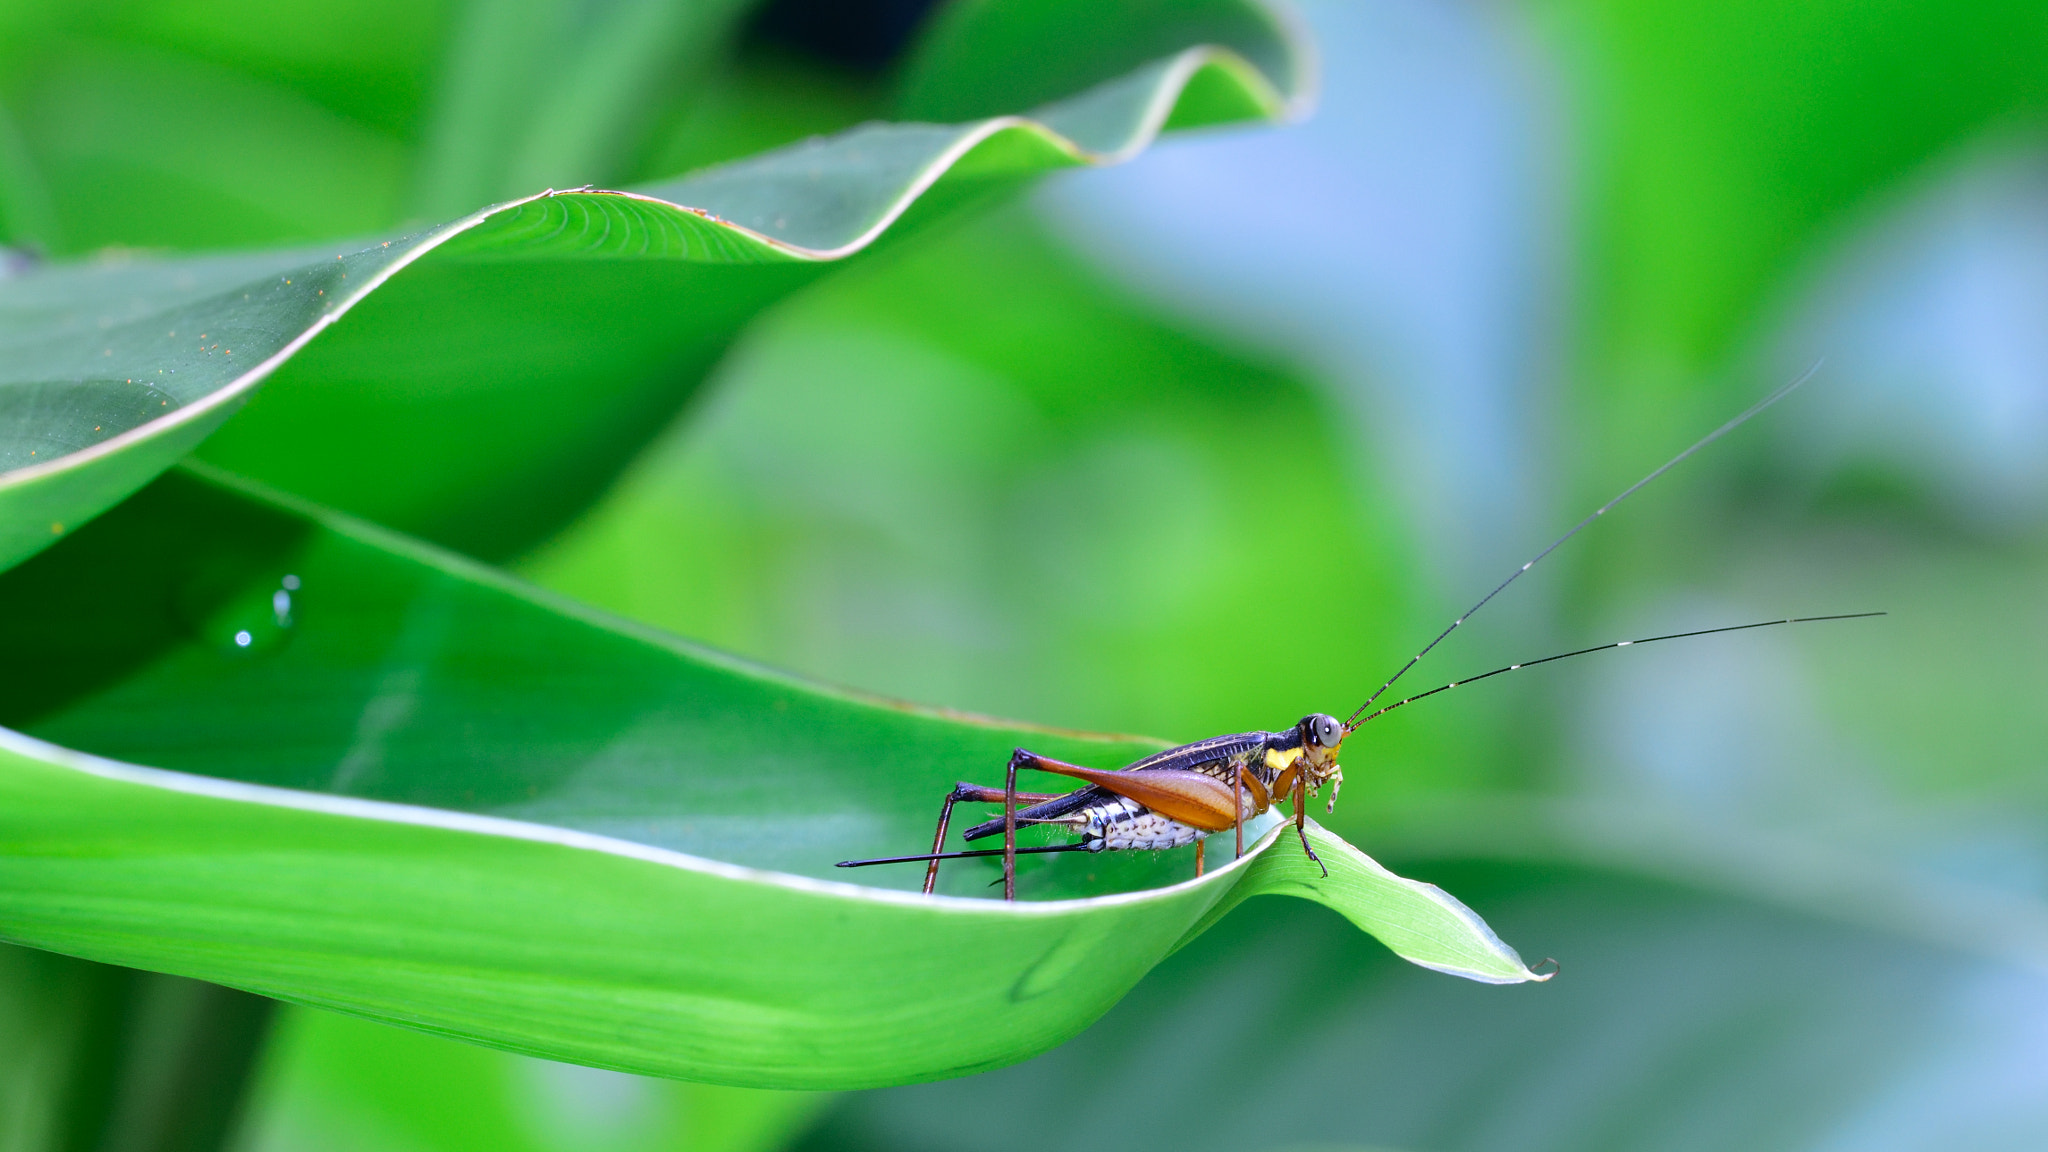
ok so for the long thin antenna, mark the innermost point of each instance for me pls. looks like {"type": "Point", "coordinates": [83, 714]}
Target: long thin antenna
{"type": "Point", "coordinates": [1352, 722]}
{"type": "Point", "coordinates": [1605, 647]}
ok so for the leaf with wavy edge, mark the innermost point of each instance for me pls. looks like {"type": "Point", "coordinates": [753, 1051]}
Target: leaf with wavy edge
{"type": "Point", "coordinates": [440, 798]}
{"type": "Point", "coordinates": [110, 371]}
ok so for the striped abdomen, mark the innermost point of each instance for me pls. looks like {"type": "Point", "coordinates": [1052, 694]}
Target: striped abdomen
{"type": "Point", "coordinates": [1118, 822]}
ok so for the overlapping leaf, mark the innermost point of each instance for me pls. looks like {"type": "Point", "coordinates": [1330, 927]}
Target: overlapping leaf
{"type": "Point", "coordinates": [496, 370]}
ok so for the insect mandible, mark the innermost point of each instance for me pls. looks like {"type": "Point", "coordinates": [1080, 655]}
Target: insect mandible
{"type": "Point", "coordinates": [1186, 794]}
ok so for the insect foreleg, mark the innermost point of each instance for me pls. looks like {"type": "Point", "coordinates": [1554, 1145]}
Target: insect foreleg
{"type": "Point", "coordinates": [1301, 821]}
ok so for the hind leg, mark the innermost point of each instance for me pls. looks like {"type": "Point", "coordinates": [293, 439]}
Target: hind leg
{"type": "Point", "coordinates": [969, 793]}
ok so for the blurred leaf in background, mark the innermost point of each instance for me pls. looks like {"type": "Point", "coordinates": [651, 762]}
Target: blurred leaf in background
{"type": "Point", "coordinates": [195, 125]}
{"type": "Point", "coordinates": [346, 1085]}
{"type": "Point", "coordinates": [986, 461]}
{"type": "Point", "coordinates": [537, 93]}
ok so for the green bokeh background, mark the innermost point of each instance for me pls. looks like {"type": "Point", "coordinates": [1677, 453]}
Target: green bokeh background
{"type": "Point", "coordinates": [1799, 882]}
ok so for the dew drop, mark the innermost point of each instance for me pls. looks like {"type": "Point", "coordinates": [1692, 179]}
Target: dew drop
{"type": "Point", "coordinates": [236, 616]}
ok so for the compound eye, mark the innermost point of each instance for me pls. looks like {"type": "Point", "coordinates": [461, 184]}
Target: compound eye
{"type": "Point", "coordinates": [1328, 733]}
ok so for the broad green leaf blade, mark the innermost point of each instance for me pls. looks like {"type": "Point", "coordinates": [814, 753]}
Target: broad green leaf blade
{"type": "Point", "coordinates": [1420, 922]}
{"type": "Point", "coordinates": [408, 787]}
{"type": "Point", "coordinates": [481, 397]}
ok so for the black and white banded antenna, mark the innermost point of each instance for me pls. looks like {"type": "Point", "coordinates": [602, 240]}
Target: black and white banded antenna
{"type": "Point", "coordinates": [1352, 722]}
{"type": "Point", "coordinates": [1616, 644]}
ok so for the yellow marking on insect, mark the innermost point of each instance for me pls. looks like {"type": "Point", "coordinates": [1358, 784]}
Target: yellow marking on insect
{"type": "Point", "coordinates": [1278, 761]}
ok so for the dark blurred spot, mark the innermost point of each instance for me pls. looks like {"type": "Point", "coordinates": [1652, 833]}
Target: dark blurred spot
{"type": "Point", "coordinates": [861, 34]}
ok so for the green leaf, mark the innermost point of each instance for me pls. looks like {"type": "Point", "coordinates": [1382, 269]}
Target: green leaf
{"type": "Point", "coordinates": [140, 147]}
{"type": "Point", "coordinates": [541, 92]}
{"type": "Point", "coordinates": [337, 1083]}
{"type": "Point", "coordinates": [388, 780]}
{"type": "Point", "coordinates": [984, 58]}
{"type": "Point", "coordinates": [1726, 138]}
{"type": "Point", "coordinates": [976, 474]}
{"type": "Point", "coordinates": [486, 393]}
{"type": "Point", "coordinates": [100, 1056]}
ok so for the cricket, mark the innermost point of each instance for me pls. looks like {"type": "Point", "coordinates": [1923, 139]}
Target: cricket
{"type": "Point", "coordinates": [1184, 795]}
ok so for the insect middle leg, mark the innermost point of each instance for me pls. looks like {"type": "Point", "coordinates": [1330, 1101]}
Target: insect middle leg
{"type": "Point", "coordinates": [1237, 802]}
{"type": "Point", "coordinates": [964, 792]}
{"type": "Point", "coordinates": [1240, 782]}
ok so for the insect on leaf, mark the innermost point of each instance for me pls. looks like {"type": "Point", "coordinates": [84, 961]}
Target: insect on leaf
{"type": "Point", "coordinates": [325, 763]}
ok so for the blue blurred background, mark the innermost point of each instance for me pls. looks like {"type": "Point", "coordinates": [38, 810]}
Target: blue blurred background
{"type": "Point", "coordinates": [1217, 438]}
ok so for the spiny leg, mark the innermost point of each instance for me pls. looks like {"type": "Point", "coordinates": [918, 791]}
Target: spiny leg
{"type": "Point", "coordinates": [1301, 821]}
{"type": "Point", "coordinates": [965, 793]}
{"type": "Point", "coordinates": [1198, 857]}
